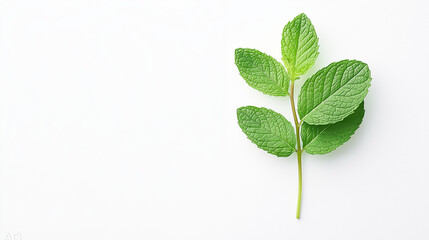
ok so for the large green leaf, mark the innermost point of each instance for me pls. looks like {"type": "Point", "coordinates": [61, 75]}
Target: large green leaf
{"type": "Point", "coordinates": [299, 45]}
{"type": "Point", "coordinates": [334, 92]}
{"type": "Point", "coordinates": [322, 139]}
{"type": "Point", "coordinates": [262, 72]}
{"type": "Point", "coordinates": [269, 130]}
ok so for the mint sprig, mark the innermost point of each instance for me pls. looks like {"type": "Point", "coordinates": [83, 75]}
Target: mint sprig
{"type": "Point", "coordinates": [330, 104]}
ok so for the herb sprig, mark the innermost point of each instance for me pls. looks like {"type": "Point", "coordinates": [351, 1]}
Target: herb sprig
{"type": "Point", "coordinates": [330, 103]}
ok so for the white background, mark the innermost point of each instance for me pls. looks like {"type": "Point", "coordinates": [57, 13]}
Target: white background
{"type": "Point", "coordinates": [117, 121]}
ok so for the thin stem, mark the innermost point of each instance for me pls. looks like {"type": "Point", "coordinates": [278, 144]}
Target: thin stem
{"type": "Point", "coordinates": [295, 118]}
{"type": "Point", "coordinates": [299, 150]}
{"type": "Point", "coordinates": [298, 206]}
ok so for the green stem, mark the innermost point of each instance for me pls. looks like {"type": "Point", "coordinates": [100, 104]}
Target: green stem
{"type": "Point", "coordinates": [299, 150]}
{"type": "Point", "coordinates": [298, 206]}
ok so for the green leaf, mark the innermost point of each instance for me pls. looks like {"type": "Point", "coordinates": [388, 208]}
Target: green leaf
{"type": "Point", "coordinates": [334, 92]}
{"type": "Point", "coordinates": [262, 72]}
{"type": "Point", "coordinates": [269, 130]}
{"type": "Point", "coordinates": [322, 139]}
{"type": "Point", "coordinates": [299, 45]}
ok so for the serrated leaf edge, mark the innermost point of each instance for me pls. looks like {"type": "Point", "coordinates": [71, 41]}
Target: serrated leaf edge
{"type": "Point", "coordinates": [287, 75]}
{"type": "Point", "coordinates": [351, 112]}
{"type": "Point", "coordinates": [292, 147]}
{"type": "Point", "coordinates": [327, 126]}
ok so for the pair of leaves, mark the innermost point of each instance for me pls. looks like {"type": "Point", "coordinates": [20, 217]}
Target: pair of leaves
{"type": "Point", "coordinates": [273, 133]}
{"type": "Point", "coordinates": [330, 103]}
{"type": "Point", "coordinates": [299, 51]}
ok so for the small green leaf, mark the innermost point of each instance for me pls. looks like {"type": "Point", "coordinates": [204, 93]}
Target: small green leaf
{"type": "Point", "coordinates": [334, 92]}
{"type": "Point", "coordinates": [262, 72]}
{"type": "Point", "coordinates": [322, 139]}
{"type": "Point", "coordinates": [269, 130]}
{"type": "Point", "coordinates": [299, 45]}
